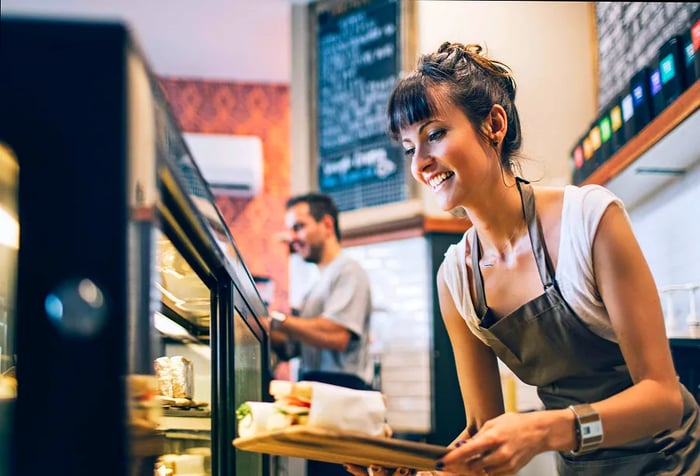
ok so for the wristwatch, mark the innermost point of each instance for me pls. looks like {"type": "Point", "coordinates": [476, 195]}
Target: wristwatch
{"type": "Point", "coordinates": [589, 428]}
{"type": "Point", "coordinates": [278, 316]}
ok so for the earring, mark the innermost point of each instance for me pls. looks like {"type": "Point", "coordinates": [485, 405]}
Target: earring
{"type": "Point", "coordinates": [494, 142]}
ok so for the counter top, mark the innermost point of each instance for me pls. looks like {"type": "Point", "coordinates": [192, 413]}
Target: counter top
{"type": "Point", "coordinates": [688, 342]}
{"type": "Point", "coordinates": [690, 334]}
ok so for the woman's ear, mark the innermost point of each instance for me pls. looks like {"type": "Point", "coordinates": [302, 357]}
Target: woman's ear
{"type": "Point", "coordinates": [496, 124]}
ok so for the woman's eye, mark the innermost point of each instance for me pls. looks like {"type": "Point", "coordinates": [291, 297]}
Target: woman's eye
{"type": "Point", "coordinates": [436, 135]}
{"type": "Point", "coordinates": [408, 152]}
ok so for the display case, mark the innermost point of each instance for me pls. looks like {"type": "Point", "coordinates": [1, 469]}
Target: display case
{"type": "Point", "coordinates": [129, 329]}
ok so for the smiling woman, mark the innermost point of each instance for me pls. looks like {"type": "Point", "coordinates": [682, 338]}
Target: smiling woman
{"type": "Point", "coordinates": [566, 299]}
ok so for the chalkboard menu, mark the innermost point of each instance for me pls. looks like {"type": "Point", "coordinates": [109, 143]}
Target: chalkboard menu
{"type": "Point", "coordinates": [358, 62]}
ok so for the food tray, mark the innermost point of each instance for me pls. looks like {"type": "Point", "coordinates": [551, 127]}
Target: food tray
{"type": "Point", "coordinates": [180, 402]}
{"type": "Point", "coordinates": [343, 447]}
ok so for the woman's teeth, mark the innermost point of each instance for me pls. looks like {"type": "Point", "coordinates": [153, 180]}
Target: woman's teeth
{"type": "Point", "coordinates": [438, 179]}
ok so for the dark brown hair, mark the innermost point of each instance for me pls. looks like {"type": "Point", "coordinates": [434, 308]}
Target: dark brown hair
{"type": "Point", "coordinates": [461, 75]}
{"type": "Point", "coordinates": [320, 205]}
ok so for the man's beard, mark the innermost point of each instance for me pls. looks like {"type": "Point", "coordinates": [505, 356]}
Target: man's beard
{"type": "Point", "coordinates": [315, 253]}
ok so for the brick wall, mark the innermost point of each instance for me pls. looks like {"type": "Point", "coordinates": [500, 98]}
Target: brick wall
{"type": "Point", "coordinates": [401, 327]}
{"type": "Point", "coordinates": [400, 333]}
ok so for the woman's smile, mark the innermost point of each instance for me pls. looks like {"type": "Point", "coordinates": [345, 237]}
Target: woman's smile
{"type": "Point", "coordinates": [436, 181]}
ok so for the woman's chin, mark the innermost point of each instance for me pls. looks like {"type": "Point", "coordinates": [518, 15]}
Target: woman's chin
{"type": "Point", "coordinates": [446, 205]}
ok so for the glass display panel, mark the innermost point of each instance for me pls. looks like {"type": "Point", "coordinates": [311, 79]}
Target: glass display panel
{"type": "Point", "coordinates": [185, 299]}
{"type": "Point", "coordinates": [193, 182]}
{"type": "Point", "coordinates": [248, 384]}
{"type": "Point", "coordinates": [183, 366]}
{"type": "Point", "coordinates": [9, 244]}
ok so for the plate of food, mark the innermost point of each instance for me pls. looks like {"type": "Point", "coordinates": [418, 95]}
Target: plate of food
{"type": "Point", "coordinates": [324, 422]}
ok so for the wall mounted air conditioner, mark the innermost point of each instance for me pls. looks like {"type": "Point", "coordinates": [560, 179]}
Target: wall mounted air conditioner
{"type": "Point", "coordinates": [232, 165]}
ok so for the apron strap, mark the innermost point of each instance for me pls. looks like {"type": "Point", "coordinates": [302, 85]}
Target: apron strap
{"type": "Point", "coordinates": [539, 247]}
{"type": "Point", "coordinates": [534, 227]}
{"type": "Point", "coordinates": [481, 307]}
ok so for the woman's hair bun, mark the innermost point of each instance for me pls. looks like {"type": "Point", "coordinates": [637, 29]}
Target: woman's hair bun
{"type": "Point", "coordinates": [470, 49]}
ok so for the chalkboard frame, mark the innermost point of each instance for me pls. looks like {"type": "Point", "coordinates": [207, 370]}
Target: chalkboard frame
{"type": "Point", "coordinates": [406, 33]}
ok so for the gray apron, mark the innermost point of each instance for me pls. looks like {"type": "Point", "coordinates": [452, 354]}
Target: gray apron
{"type": "Point", "coordinates": [547, 345]}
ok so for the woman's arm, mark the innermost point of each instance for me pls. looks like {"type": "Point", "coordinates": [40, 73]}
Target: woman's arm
{"type": "Point", "coordinates": [477, 367]}
{"type": "Point", "coordinates": [630, 295]}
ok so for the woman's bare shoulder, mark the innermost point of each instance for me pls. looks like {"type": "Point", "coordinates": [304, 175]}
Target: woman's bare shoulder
{"type": "Point", "coordinates": [549, 192]}
{"type": "Point", "coordinates": [549, 200]}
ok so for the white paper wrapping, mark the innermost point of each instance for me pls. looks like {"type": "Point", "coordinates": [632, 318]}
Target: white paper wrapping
{"type": "Point", "coordinates": [257, 421]}
{"type": "Point", "coordinates": [344, 409]}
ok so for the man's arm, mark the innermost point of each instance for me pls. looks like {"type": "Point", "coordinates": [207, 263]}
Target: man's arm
{"type": "Point", "coordinates": [318, 332]}
{"type": "Point", "coordinates": [284, 347]}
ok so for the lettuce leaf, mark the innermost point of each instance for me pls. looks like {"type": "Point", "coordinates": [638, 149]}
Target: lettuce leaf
{"type": "Point", "coordinates": [243, 411]}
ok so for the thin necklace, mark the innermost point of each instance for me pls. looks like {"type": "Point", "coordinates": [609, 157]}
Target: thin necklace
{"type": "Point", "coordinates": [515, 232]}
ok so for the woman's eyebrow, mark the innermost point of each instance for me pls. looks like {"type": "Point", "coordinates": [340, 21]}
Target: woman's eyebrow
{"type": "Point", "coordinates": [425, 124]}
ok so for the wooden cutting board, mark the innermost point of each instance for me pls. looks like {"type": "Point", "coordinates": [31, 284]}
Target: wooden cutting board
{"type": "Point", "coordinates": [343, 447]}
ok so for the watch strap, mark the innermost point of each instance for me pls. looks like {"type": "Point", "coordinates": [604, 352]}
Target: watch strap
{"type": "Point", "coordinates": [589, 428]}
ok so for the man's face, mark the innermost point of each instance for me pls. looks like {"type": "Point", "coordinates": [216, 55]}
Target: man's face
{"type": "Point", "coordinates": [307, 236]}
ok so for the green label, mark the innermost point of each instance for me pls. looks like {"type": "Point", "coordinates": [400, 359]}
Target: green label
{"type": "Point", "coordinates": [605, 129]}
{"type": "Point", "coordinates": [667, 68]}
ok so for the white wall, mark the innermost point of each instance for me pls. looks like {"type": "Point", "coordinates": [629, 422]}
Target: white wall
{"type": "Point", "coordinates": [668, 229]}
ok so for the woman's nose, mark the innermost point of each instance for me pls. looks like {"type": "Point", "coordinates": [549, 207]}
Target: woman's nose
{"type": "Point", "coordinates": [422, 158]}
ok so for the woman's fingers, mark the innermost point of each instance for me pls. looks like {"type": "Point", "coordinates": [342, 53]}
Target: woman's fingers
{"type": "Point", "coordinates": [375, 470]}
{"type": "Point", "coordinates": [356, 470]}
{"type": "Point", "coordinates": [404, 472]}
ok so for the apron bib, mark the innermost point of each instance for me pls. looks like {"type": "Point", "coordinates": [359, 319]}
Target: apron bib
{"type": "Point", "coordinates": [547, 345]}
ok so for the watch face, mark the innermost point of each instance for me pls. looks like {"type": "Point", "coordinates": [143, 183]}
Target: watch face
{"type": "Point", "coordinates": [278, 316]}
{"type": "Point", "coordinates": [592, 429]}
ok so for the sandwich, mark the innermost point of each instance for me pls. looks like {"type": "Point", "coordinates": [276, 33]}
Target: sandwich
{"type": "Point", "coordinates": [317, 405]}
{"type": "Point", "coordinates": [291, 406]}
{"type": "Point", "coordinates": [292, 403]}
{"type": "Point", "coordinates": [252, 417]}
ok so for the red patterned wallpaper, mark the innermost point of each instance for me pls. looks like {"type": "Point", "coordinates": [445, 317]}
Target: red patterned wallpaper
{"type": "Point", "coordinates": [246, 109]}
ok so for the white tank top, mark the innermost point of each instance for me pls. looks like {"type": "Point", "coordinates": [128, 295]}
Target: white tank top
{"type": "Point", "coordinates": [582, 210]}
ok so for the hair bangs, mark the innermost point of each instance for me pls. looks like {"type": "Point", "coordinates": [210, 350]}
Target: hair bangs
{"type": "Point", "coordinates": [409, 103]}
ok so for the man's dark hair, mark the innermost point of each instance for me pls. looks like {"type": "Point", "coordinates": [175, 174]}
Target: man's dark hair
{"type": "Point", "coordinates": [320, 205]}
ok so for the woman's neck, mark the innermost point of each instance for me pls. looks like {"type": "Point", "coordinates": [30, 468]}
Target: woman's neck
{"type": "Point", "coordinates": [498, 219]}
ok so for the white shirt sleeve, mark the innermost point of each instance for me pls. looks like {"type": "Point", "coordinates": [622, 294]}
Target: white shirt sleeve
{"type": "Point", "coordinates": [581, 214]}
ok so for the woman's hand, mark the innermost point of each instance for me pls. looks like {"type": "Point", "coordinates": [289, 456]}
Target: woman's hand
{"type": "Point", "coordinates": [501, 447]}
{"type": "Point", "coordinates": [374, 470]}
{"type": "Point", "coordinates": [381, 471]}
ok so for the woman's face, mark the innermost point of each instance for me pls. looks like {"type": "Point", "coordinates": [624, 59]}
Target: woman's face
{"type": "Point", "coordinates": [448, 156]}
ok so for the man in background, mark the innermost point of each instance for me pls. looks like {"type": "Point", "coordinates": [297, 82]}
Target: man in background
{"type": "Point", "coordinates": [331, 327]}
